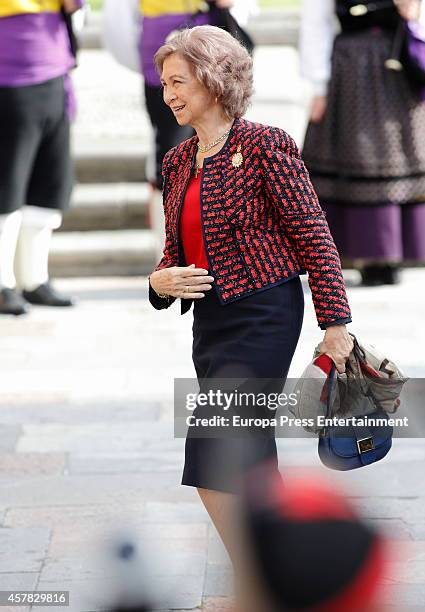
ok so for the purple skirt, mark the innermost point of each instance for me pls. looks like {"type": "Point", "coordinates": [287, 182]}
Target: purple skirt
{"type": "Point", "coordinates": [387, 234]}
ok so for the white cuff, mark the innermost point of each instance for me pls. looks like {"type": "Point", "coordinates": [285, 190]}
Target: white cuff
{"type": "Point", "coordinates": [36, 216]}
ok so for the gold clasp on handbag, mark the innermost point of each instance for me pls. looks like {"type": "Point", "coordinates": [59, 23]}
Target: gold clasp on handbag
{"type": "Point", "coordinates": [364, 445]}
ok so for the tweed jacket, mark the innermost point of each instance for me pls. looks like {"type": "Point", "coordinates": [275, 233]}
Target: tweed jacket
{"type": "Point", "coordinates": [262, 222]}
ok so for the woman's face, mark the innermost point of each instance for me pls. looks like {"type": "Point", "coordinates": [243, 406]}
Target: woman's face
{"type": "Point", "coordinates": [189, 100]}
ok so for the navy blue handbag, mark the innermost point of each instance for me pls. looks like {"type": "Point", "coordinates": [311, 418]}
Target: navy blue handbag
{"type": "Point", "coordinates": [349, 447]}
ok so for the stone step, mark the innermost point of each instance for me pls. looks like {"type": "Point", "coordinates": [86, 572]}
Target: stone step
{"type": "Point", "coordinates": [102, 253]}
{"type": "Point", "coordinates": [111, 161]}
{"type": "Point", "coordinates": [275, 27]}
{"type": "Point", "coordinates": [112, 206]}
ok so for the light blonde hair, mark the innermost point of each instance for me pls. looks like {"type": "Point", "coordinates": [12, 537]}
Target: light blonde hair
{"type": "Point", "coordinates": [219, 62]}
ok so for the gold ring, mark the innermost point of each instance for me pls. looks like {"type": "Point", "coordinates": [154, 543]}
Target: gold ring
{"type": "Point", "coordinates": [187, 288]}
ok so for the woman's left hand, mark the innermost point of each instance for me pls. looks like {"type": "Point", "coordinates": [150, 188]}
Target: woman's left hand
{"type": "Point", "coordinates": [318, 108]}
{"type": "Point", "coordinates": [337, 344]}
{"type": "Point", "coordinates": [410, 10]}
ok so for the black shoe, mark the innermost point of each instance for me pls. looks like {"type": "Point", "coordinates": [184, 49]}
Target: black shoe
{"type": "Point", "coordinates": [390, 275]}
{"type": "Point", "coordinates": [45, 295]}
{"type": "Point", "coordinates": [376, 275]}
{"type": "Point", "coordinates": [371, 276]}
{"type": "Point", "coordinates": [12, 303]}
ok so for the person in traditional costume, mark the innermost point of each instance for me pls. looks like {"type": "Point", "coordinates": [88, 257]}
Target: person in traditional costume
{"type": "Point", "coordinates": [36, 106]}
{"type": "Point", "coordinates": [365, 141]}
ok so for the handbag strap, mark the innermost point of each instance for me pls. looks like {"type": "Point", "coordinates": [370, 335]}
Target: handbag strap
{"type": "Point", "coordinates": [330, 382]}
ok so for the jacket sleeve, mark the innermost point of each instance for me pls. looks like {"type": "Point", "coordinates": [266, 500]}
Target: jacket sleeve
{"type": "Point", "coordinates": [170, 255]}
{"type": "Point", "coordinates": [287, 184]}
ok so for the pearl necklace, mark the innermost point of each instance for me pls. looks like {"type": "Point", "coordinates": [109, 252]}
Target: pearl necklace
{"type": "Point", "coordinates": [211, 145]}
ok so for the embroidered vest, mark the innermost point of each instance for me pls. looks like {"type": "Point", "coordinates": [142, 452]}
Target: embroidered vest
{"type": "Point", "coordinates": [156, 8]}
{"type": "Point", "coordinates": [20, 7]}
{"type": "Point", "coordinates": [359, 15]}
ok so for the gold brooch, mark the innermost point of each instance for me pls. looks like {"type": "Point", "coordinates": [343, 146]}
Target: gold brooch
{"type": "Point", "coordinates": [237, 159]}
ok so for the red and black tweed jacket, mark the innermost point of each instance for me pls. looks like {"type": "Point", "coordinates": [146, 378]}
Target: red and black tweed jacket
{"type": "Point", "coordinates": [262, 221]}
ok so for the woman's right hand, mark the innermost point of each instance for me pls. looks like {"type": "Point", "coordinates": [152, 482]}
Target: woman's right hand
{"type": "Point", "coordinates": [318, 108]}
{"type": "Point", "coordinates": [188, 283]}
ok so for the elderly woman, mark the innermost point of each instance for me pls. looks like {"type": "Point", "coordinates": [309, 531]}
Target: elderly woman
{"type": "Point", "coordinates": [242, 224]}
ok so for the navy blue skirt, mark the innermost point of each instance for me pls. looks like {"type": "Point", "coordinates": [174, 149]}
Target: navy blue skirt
{"type": "Point", "coordinates": [253, 338]}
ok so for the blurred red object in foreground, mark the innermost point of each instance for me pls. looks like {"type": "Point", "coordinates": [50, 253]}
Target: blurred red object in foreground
{"type": "Point", "coordinates": [309, 548]}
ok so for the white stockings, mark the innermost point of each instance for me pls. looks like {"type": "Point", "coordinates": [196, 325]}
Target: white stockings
{"type": "Point", "coordinates": [25, 237]}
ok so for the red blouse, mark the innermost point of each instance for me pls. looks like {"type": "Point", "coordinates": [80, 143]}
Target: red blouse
{"type": "Point", "coordinates": [191, 227]}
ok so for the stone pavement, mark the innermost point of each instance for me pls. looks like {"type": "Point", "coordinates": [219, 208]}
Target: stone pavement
{"type": "Point", "coordinates": [87, 447]}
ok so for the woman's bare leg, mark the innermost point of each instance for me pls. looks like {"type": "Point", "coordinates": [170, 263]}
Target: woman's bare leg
{"type": "Point", "coordinates": [222, 509]}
